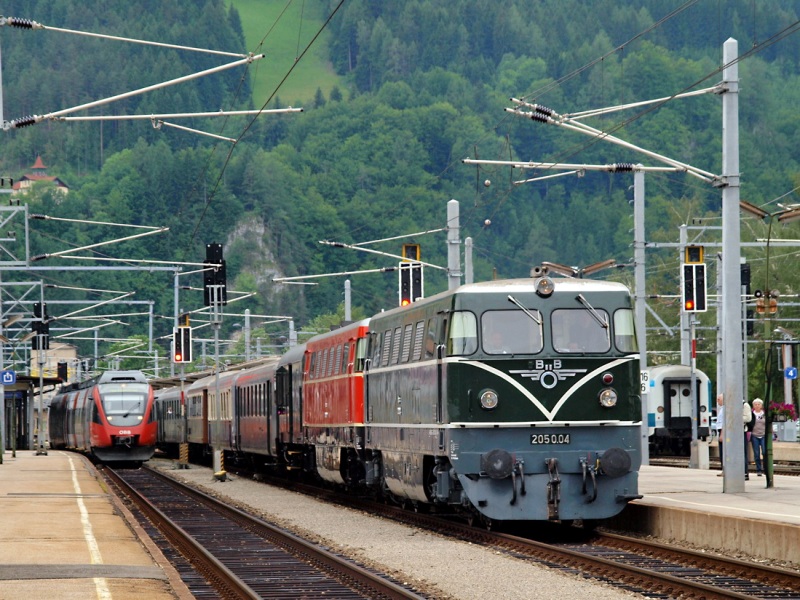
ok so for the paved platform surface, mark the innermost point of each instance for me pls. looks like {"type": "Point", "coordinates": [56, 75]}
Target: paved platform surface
{"type": "Point", "coordinates": [690, 505]}
{"type": "Point", "coordinates": [63, 536]}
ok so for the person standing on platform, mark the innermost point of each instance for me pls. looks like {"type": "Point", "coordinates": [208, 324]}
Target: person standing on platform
{"type": "Point", "coordinates": [747, 416]}
{"type": "Point", "coordinates": [758, 435]}
{"type": "Point", "coordinates": [718, 426]}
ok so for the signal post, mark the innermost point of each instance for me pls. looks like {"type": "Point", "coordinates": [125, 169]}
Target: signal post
{"type": "Point", "coordinates": [215, 295]}
{"type": "Point", "coordinates": [694, 297]}
{"type": "Point", "coordinates": [182, 354]}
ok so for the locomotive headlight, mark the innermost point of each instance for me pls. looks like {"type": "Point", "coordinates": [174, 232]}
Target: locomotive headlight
{"type": "Point", "coordinates": [544, 287]}
{"type": "Point", "coordinates": [489, 399]}
{"type": "Point", "coordinates": [608, 398]}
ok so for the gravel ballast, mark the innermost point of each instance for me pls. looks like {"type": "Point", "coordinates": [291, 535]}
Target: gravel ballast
{"type": "Point", "coordinates": [435, 566]}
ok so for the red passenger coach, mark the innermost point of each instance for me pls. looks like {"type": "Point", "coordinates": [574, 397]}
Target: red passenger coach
{"type": "Point", "coordinates": [254, 400]}
{"type": "Point", "coordinates": [111, 416]}
{"type": "Point", "coordinates": [333, 397]}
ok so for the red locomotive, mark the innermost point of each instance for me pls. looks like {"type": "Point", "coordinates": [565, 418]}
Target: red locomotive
{"type": "Point", "coordinates": [111, 417]}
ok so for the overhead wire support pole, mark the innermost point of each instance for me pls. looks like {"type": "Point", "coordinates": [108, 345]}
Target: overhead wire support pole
{"type": "Point", "coordinates": [732, 339]}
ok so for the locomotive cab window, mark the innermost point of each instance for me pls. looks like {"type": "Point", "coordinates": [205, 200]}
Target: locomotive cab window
{"type": "Point", "coordinates": [624, 332]}
{"type": "Point", "coordinates": [578, 331]}
{"type": "Point", "coordinates": [511, 332]}
{"type": "Point", "coordinates": [463, 338]}
{"type": "Point", "coordinates": [124, 403]}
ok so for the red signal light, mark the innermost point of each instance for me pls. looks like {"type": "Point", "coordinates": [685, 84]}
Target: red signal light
{"type": "Point", "coordinates": [178, 357]}
{"type": "Point", "coordinates": [689, 305]}
{"type": "Point", "coordinates": [405, 302]}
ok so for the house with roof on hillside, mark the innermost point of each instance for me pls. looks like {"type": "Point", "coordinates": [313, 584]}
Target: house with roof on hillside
{"type": "Point", "coordinates": [39, 173]}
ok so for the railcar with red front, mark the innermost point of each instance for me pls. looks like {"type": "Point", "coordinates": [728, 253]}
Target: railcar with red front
{"type": "Point", "coordinates": [111, 417]}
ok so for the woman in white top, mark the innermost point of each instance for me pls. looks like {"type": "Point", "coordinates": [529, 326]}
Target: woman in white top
{"type": "Point", "coordinates": [758, 434]}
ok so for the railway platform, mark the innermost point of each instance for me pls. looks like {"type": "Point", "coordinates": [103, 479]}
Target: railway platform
{"type": "Point", "coordinates": [689, 505]}
{"type": "Point", "coordinates": [62, 535]}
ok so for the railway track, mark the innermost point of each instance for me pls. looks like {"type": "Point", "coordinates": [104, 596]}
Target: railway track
{"type": "Point", "coordinates": [224, 552]}
{"type": "Point", "coordinates": [779, 468]}
{"type": "Point", "coordinates": [642, 566]}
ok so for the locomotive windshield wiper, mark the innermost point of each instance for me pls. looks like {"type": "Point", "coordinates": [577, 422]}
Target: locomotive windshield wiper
{"type": "Point", "coordinates": [137, 405]}
{"type": "Point", "coordinates": [597, 316]}
{"type": "Point", "coordinates": [517, 303]}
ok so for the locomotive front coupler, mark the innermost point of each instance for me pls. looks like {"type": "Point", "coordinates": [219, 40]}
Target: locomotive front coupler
{"type": "Point", "coordinates": [592, 472]}
{"type": "Point", "coordinates": [553, 488]}
{"type": "Point", "coordinates": [517, 470]}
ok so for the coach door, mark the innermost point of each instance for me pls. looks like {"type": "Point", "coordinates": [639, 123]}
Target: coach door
{"type": "Point", "coordinates": [677, 404]}
{"type": "Point", "coordinates": [283, 409]}
{"type": "Point", "coordinates": [237, 421]}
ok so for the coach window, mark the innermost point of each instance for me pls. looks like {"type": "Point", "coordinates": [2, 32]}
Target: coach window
{"type": "Point", "coordinates": [430, 338]}
{"type": "Point", "coordinates": [511, 332]}
{"type": "Point", "coordinates": [376, 343]}
{"type": "Point", "coordinates": [360, 353]}
{"type": "Point", "coordinates": [463, 337]}
{"type": "Point", "coordinates": [624, 332]}
{"type": "Point", "coordinates": [577, 331]}
{"type": "Point", "coordinates": [312, 364]}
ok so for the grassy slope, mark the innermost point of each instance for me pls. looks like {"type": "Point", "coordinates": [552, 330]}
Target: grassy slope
{"type": "Point", "coordinates": [285, 36]}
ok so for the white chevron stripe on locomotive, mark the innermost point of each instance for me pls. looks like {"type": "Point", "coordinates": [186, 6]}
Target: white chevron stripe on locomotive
{"type": "Point", "coordinates": [518, 385]}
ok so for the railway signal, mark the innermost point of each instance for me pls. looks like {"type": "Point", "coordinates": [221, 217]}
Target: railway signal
{"type": "Point", "coordinates": [41, 327]}
{"type": "Point", "coordinates": [214, 279]}
{"type": "Point", "coordinates": [411, 282]}
{"type": "Point", "coordinates": [405, 284]}
{"type": "Point", "coordinates": [182, 345]}
{"type": "Point", "coordinates": [693, 287]}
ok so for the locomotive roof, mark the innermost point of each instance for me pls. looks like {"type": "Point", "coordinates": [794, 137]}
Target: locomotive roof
{"type": "Point", "coordinates": [562, 284]}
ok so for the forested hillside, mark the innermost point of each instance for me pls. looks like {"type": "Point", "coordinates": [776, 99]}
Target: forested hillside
{"type": "Point", "coordinates": [411, 89]}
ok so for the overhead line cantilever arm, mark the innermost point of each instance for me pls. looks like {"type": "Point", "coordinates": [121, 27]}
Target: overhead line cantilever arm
{"type": "Point", "coordinates": [544, 115]}
{"type": "Point", "coordinates": [403, 258]}
{"type": "Point", "coordinates": [130, 237]}
{"type": "Point", "coordinates": [49, 218]}
{"type": "Point", "coordinates": [31, 24]}
{"type": "Point", "coordinates": [32, 119]}
{"type": "Point", "coordinates": [218, 113]}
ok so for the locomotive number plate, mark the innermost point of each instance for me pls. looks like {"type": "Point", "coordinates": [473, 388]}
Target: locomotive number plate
{"type": "Point", "coordinates": [550, 438]}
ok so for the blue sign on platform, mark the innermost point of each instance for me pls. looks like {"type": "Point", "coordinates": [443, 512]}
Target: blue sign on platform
{"type": "Point", "coordinates": [8, 377]}
{"type": "Point", "coordinates": [790, 372]}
